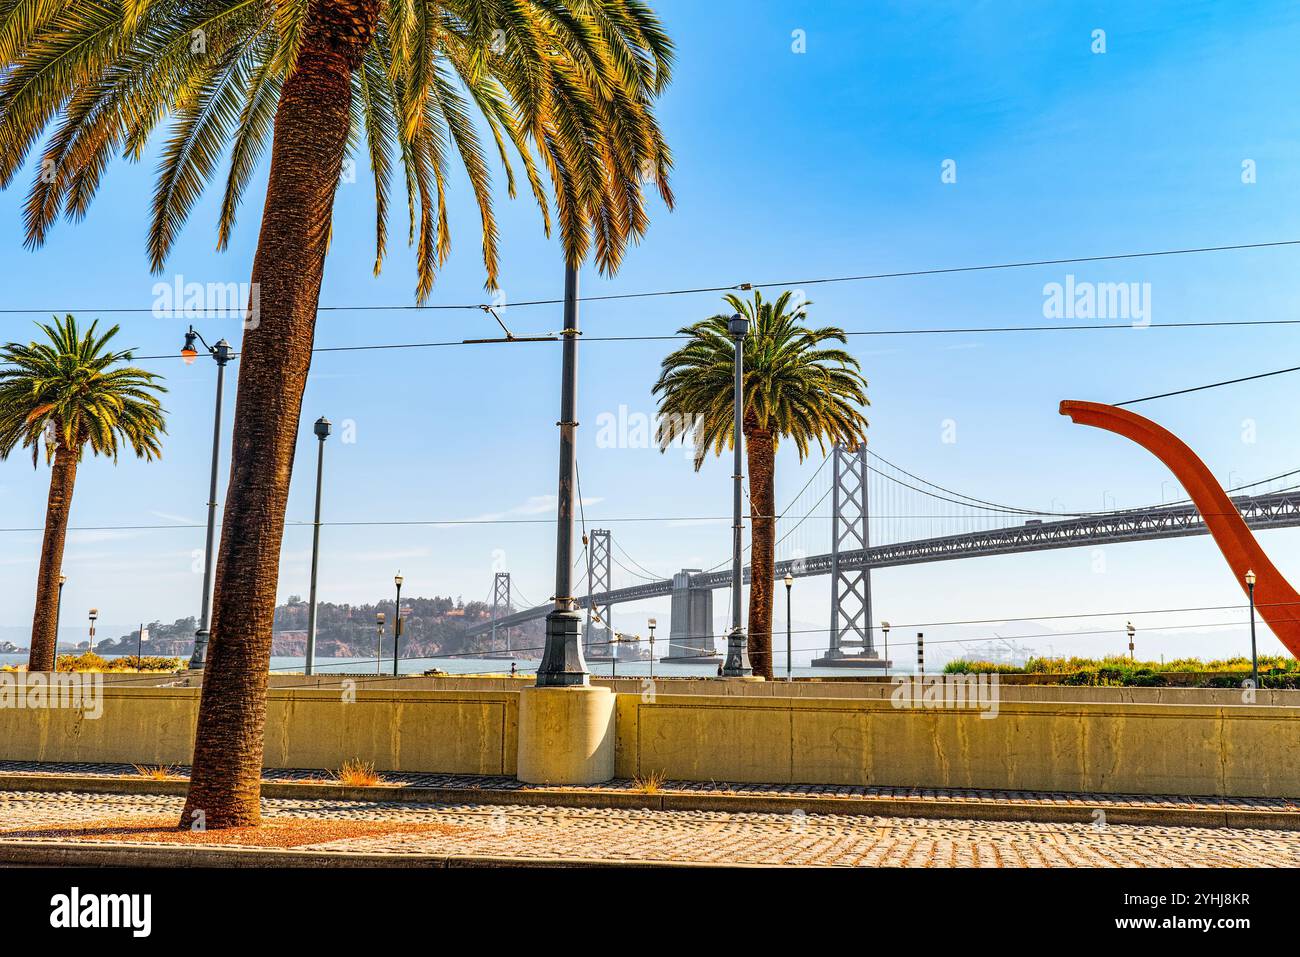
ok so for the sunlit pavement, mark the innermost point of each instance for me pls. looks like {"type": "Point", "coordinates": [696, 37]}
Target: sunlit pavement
{"type": "Point", "coordinates": [691, 837]}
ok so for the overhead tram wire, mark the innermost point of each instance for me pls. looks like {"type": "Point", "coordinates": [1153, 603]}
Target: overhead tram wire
{"type": "Point", "coordinates": [543, 338]}
{"type": "Point", "coordinates": [1210, 385]}
{"type": "Point", "coordinates": [743, 286]}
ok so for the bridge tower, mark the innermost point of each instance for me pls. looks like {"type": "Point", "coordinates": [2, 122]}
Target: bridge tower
{"type": "Point", "coordinates": [500, 605]}
{"type": "Point", "coordinates": [600, 631]}
{"type": "Point", "coordinates": [690, 634]}
{"type": "Point", "coordinates": [851, 644]}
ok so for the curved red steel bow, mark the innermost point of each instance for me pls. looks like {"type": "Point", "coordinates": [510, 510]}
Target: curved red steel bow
{"type": "Point", "coordinates": [1278, 602]}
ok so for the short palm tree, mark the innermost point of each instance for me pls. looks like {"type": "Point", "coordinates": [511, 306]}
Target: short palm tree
{"type": "Point", "coordinates": [562, 88]}
{"type": "Point", "coordinates": [795, 388]}
{"type": "Point", "coordinates": [68, 394]}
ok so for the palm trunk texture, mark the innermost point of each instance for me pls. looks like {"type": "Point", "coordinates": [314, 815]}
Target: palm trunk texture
{"type": "Point", "coordinates": [311, 127]}
{"type": "Point", "coordinates": [762, 509]}
{"type": "Point", "coordinates": [63, 476]}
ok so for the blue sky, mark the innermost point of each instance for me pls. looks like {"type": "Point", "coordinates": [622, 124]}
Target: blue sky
{"type": "Point", "coordinates": [789, 165]}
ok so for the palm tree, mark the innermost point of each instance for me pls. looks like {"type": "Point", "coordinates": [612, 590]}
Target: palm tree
{"type": "Point", "coordinates": [562, 86]}
{"type": "Point", "coordinates": [67, 394]}
{"type": "Point", "coordinates": [794, 388]}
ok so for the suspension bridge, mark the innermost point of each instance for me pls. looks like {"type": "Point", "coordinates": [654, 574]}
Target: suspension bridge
{"type": "Point", "coordinates": [880, 516]}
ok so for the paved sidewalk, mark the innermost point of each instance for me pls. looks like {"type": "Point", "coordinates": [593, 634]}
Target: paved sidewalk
{"type": "Point", "coordinates": [416, 780]}
{"type": "Point", "coordinates": [53, 826]}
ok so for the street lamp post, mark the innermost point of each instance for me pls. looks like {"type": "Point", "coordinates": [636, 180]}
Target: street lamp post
{"type": "Point", "coordinates": [58, 609]}
{"type": "Point", "coordinates": [379, 641]}
{"type": "Point", "coordinates": [789, 649]}
{"type": "Point", "coordinates": [322, 430]}
{"type": "Point", "coordinates": [397, 621]}
{"type": "Point", "coordinates": [221, 354]}
{"type": "Point", "coordinates": [1254, 660]}
{"type": "Point", "coordinates": [651, 623]}
{"type": "Point", "coordinates": [737, 663]}
{"type": "Point", "coordinates": [884, 630]}
{"type": "Point", "coordinates": [1131, 632]}
{"type": "Point", "coordinates": [563, 663]}
{"type": "Point", "coordinates": [94, 613]}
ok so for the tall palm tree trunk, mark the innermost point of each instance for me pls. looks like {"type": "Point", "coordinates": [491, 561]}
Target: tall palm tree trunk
{"type": "Point", "coordinates": [311, 127]}
{"type": "Point", "coordinates": [45, 638]}
{"type": "Point", "coordinates": [762, 509]}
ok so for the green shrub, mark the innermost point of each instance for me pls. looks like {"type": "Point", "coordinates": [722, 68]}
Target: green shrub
{"type": "Point", "coordinates": [963, 667]}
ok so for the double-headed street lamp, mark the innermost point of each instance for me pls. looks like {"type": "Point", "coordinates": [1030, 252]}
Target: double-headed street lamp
{"type": "Point", "coordinates": [322, 430]}
{"type": "Point", "coordinates": [221, 354]}
{"type": "Point", "coordinates": [397, 620]}
{"type": "Point", "coordinates": [1254, 660]}
{"type": "Point", "coordinates": [789, 651]}
{"type": "Point", "coordinates": [737, 663]}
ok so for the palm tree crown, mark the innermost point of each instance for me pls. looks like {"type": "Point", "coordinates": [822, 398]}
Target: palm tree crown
{"type": "Point", "coordinates": [574, 81]}
{"type": "Point", "coordinates": [795, 387]}
{"type": "Point", "coordinates": [67, 392]}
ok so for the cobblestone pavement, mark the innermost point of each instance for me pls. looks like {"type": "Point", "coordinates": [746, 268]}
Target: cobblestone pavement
{"type": "Point", "coordinates": [498, 783]}
{"type": "Point", "coordinates": [541, 833]}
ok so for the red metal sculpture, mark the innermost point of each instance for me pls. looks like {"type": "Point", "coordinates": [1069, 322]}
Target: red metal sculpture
{"type": "Point", "coordinates": [1278, 602]}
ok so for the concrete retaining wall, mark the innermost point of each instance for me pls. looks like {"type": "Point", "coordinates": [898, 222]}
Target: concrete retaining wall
{"type": "Point", "coordinates": [462, 732]}
{"type": "Point", "coordinates": [818, 688]}
{"type": "Point", "coordinates": [1230, 750]}
{"type": "Point", "coordinates": [1138, 740]}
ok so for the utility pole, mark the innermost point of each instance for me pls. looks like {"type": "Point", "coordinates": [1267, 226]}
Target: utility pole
{"type": "Point", "coordinates": [563, 663]}
{"type": "Point", "coordinates": [737, 663]}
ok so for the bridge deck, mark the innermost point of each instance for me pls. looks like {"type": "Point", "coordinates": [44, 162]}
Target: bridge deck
{"type": "Point", "coordinates": [1272, 510]}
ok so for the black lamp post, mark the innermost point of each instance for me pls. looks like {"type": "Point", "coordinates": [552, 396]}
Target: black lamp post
{"type": "Point", "coordinates": [94, 613]}
{"type": "Point", "coordinates": [652, 623]}
{"type": "Point", "coordinates": [884, 630]}
{"type": "Point", "coordinates": [1254, 660]}
{"type": "Point", "coordinates": [379, 641]}
{"type": "Point", "coordinates": [397, 620]}
{"type": "Point", "coordinates": [58, 609]}
{"type": "Point", "coordinates": [1131, 632]}
{"type": "Point", "coordinates": [322, 430]}
{"type": "Point", "coordinates": [221, 354]}
{"type": "Point", "coordinates": [789, 650]}
{"type": "Point", "coordinates": [563, 663]}
{"type": "Point", "coordinates": [737, 663]}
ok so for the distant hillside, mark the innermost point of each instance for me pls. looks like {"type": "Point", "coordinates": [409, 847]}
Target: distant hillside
{"type": "Point", "coordinates": [431, 627]}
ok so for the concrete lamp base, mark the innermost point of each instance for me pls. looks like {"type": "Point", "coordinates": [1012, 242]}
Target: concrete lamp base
{"type": "Point", "coordinates": [566, 735]}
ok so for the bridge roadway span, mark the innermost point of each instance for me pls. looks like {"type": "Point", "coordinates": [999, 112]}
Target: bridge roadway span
{"type": "Point", "coordinates": [1271, 510]}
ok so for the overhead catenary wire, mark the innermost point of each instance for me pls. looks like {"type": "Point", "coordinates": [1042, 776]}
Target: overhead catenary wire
{"type": "Point", "coordinates": [729, 287]}
{"type": "Point", "coordinates": [1210, 385]}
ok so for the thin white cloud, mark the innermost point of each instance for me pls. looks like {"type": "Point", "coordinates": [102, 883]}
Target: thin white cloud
{"type": "Point", "coordinates": [534, 505]}
{"type": "Point", "coordinates": [179, 519]}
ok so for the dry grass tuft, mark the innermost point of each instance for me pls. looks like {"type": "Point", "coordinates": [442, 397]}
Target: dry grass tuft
{"type": "Point", "coordinates": [652, 783]}
{"type": "Point", "coordinates": [357, 773]}
{"type": "Point", "coordinates": [160, 772]}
